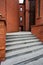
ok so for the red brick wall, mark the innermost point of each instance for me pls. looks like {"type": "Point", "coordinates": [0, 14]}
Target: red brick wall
{"type": "Point", "coordinates": [9, 10]}
{"type": "Point", "coordinates": [37, 31]}
{"type": "Point", "coordinates": [41, 11]}
{"type": "Point", "coordinates": [12, 16]}
{"type": "Point", "coordinates": [39, 20]}
{"type": "Point", "coordinates": [2, 40]}
{"type": "Point", "coordinates": [2, 8]}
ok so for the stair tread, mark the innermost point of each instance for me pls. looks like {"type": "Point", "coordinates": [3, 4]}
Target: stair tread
{"type": "Point", "coordinates": [16, 42]}
{"type": "Point", "coordinates": [33, 43]}
{"type": "Point", "coordinates": [18, 33]}
{"type": "Point", "coordinates": [12, 36]}
{"type": "Point", "coordinates": [10, 53]}
{"type": "Point", "coordinates": [21, 39]}
{"type": "Point", "coordinates": [17, 46]}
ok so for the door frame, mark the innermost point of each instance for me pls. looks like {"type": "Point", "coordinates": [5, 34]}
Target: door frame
{"type": "Point", "coordinates": [32, 8]}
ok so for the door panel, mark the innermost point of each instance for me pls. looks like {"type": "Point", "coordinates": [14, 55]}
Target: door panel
{"type": "Point", "coordinates": [32, 12]}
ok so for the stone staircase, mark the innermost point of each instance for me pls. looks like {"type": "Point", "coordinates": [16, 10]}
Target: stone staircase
{"type": "Point", "coordinates": [23, 48]}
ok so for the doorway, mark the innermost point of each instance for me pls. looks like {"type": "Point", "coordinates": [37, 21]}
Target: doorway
{"type": "Point", "coordinates": [31, 13]}
{"type": "Point", "coordinates": [21, 28]}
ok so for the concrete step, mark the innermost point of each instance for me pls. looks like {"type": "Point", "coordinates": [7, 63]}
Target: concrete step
{"type": "Point", "coordinates": [19, 33]}
{"type": "Point", "coordinates": [17, 46]}
{"type": "Point", "coordinates": [20, 59]}
{"type": "Point", "coordinates": [29, 49]}
{"type": "Point", "coordinates": [18, 39]}
{"type": "Point", "coordinates": [12, 36]}
{"type": "Point", "coordinates": [32, 43]}
{"type": "Point", "coordinates": [20, 42]}
{"type": "Point", "coordinates": [21, 37]}
{"type": "Point", "coordinates": [22, 48]}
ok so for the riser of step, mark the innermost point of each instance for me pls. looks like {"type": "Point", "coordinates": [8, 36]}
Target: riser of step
{"type": "Point", "coordinates": [19, 39]}
{"type": "Point", "coordinates": [20, 42]}
{"type": "Point", "coordinates": [34, 42]}
{"type": "Point", "coordinates": [20, 59]}
{"type": "Point", "coordinates": [11, 36]}
{"type": "Point", "coordinates": [19, 52]}
{"type": "Point", "coordinates": [19, 33]}
{"type": "Point", "coordinates": [17, 46]}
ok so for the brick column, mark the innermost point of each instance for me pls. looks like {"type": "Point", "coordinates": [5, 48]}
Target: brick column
{"type": "Point", "coordinates": [27, 15]}
{"type": "Point", "coordinates": [2, 39]}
